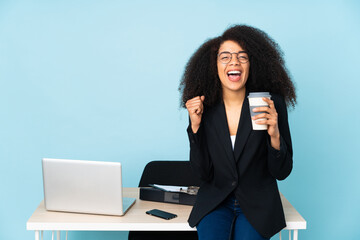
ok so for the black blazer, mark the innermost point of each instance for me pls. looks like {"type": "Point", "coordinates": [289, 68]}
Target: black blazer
{"type": "Point", "coordinates": [250, 170]}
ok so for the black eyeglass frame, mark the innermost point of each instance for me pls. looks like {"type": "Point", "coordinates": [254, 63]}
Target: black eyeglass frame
{"type": "Point", "coordinates": [241, 59]}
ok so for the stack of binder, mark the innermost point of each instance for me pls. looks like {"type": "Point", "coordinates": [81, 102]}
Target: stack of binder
{"type": "Point", "coordinates": [169, 194]}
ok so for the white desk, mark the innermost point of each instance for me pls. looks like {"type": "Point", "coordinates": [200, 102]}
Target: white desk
{"type": "Point", "coordinates": [135, 219]}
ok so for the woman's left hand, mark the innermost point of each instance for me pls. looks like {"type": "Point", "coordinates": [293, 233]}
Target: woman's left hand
{"type": "Point", "coordinates": [270, 117]}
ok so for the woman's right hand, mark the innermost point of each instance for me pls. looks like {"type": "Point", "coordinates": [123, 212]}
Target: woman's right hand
{"type": "Point", "coordinates": [195, 108]}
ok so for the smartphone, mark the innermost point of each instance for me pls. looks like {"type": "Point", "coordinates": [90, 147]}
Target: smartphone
{"type": "Point", "coordinates": [161, 214]}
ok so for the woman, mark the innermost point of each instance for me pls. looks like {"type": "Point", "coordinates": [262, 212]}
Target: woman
{"type": "Point", "coordinates": [239, 196]}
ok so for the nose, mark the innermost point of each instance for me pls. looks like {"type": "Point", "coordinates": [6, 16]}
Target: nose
{"type": "Point", "coordinates": [234, 60]}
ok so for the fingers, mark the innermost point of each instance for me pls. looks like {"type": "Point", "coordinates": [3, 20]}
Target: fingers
{"type": "Point", "coordinates": [269, 109]}
{"type": "Point", "coordinates": [272, 118]}
{"type": "Point", "coordinates": [270, 122]}
{"type": "Point", "coordinates": [262, 109]}
{"type": "Point", "coordinates": [261, 115]}
{"type": "Point", "coordinates": [195, 105]}
{"type": "Point", "coordinates": [195, 108]}
{"type": "Point", "coordinates": [197, 99]}
{"type": "Point", "coordinates": [268, 116]}
{"type": "Point", "coordinates": [199, 110]}
{"type": "Point", "coordinates": [269, 101]}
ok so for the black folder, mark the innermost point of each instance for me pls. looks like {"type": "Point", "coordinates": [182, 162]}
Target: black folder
{"type": "Point", "coordinates": [157, 195]}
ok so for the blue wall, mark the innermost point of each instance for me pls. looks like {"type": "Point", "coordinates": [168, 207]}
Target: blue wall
{"type": "Point", "coordinates": [98, 80]}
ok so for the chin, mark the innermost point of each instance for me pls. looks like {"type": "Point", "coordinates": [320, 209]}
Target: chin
{"type": "Point", "coordinates": [238, 86]}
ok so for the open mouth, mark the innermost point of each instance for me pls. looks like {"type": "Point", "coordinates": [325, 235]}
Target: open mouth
{"type": "Point", "coordinates": [234, 75]}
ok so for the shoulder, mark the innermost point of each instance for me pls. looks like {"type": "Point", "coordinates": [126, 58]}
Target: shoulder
{"type": "Point", "coordinates": [279, 100]}
{"type": "Point", "coordinates": [210, 111]}
{"type": "Point", "coordinates": [277, 97]}
{"type": "Point", "coordinates": [280, 107]}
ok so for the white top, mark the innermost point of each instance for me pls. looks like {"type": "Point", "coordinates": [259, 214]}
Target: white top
{"type": "Point", "coordinates": [233, 137]}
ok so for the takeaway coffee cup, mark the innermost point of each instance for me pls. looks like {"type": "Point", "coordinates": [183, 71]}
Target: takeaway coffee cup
{"type": "Point", "coordinates": [255, 100]}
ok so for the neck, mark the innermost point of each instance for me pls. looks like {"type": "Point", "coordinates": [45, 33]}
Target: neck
{"type": "Point", "coordinates": [234, 99]}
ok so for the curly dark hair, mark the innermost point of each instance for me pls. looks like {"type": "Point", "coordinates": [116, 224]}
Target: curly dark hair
{"type": "Point", "coordinates": [267, 69]}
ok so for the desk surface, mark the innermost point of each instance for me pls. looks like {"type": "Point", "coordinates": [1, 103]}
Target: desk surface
{"type": "Point", "coordinates": [135, 218]}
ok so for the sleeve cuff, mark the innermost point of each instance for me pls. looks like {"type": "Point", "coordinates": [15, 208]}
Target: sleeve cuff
{"type": "Point", "coordinates": [191, 134]}
{"type": "Point", "coordinates": [277, 153]}
{"type": "Point", "coordinates": [194, 137]}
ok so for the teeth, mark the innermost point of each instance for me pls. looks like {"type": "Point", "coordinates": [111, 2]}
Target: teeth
{"type": "Point", "coordinates": [234, 72]}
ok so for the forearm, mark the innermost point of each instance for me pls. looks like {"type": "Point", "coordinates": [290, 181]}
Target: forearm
{"type": "Point", "coordinates": [280, 161]}
{"type": "Point", "coordinates": [275, 142]}
{"type": "Point", "coordinates": [195, 128]}
{"type": "Point", "coordinates": [280, 153]}
{"type": "Point", "coordinates": [199, 156]}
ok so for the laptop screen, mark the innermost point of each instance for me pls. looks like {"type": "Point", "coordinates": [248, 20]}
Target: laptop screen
{"type": "Point", "coordinates": [82, 186]}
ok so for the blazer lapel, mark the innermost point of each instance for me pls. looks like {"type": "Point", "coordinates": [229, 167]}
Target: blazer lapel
{"type": "Point", "coordinates": [243, 131]}
{"type": "Point", "coordinates": [222, 129]}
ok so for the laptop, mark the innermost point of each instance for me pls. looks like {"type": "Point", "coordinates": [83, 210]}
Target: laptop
{"type": "Point", "coordinates": [84, 187]}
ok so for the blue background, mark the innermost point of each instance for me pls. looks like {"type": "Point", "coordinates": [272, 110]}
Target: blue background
{"type": "Point", "coordinates": [98, 80]}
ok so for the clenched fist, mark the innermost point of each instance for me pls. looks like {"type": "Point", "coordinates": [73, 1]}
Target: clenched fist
{"type": "Point", "coordinates": [195, 108]}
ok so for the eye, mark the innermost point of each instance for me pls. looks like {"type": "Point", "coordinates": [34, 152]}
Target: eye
{"type": "Point", "coordinates": [225, 57]}
{"type": "Point", "coordinates": [243, 59]}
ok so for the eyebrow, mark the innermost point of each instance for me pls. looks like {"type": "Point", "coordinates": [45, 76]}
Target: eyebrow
{"type": "Point", "coordinates": [233, 52]}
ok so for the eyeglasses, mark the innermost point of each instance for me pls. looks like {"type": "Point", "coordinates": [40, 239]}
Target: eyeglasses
{"type": "Point", "coordinates": [225, 57]}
